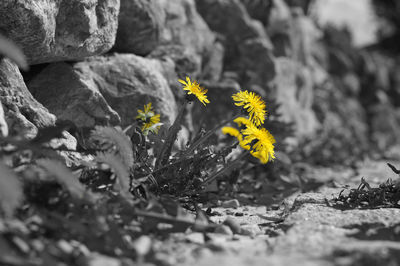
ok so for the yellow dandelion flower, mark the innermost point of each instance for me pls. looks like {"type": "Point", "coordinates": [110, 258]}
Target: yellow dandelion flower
{"type": "Point", "coordinates": [150, 120]}
{"type": "Point", "coordinates": [195, 89]}
{"type": "Point", "coordinates": [152, 124]}
{"type": "Point", "coordinates": [254, 105]}
{"type": "Point", "coordinates": [242, 121]}
{"type": "Point", "coordinates": [262, 143]}
{"type": "Point", "coordinates": [235, 133]}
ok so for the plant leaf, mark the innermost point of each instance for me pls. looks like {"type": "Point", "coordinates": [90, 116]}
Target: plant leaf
{"type": "Point", "coordinates": [64, 176]}
{"type": "Point", "coordinates": [115, 140]}
{"type": "Point", "coordinates": [119, 169]}
{"type": "Point", "coordinates": [11, 193]}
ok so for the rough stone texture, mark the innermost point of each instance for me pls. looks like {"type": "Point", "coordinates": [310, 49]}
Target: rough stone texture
{"type": "Point", "coordinates": [3, 123]}
{"type": "Point", "coordinates": [220, 107]}
{"type": "Point", "coordinates": [169, 29]}
{"type": "Point", "coordinates": [184, 26]}
{"type": "Point", "coordinates": [140, 24]}
{"type": "Point", "coordinates": [248, 48]}
{"type": "Point", "coordinates": [22, 112]}
{"type": "Point", "coordinates": [295, 94]}
{"type": "Point", "coordinates": [72, 95]}
{"type": "Point", "coordinates": [56, 30]}
{"type": "Point", "coordinates": [104, 90]}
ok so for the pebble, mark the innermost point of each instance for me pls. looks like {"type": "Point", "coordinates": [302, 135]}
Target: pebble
{"type": "Point", "coordinates": [250, 230]}
{"type": "Point", "coordinates": [197, 238]}
{"type": "Point", "coordinates": [233, 225]}
{"type": "Point", "coordinates": [223, 229]}
{"type": "Point", "coordinates": [234, 203]}
{"type": "Point", "coordinates": [142, 245]}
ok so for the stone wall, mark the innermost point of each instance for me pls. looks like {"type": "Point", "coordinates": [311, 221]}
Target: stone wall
{"type": "Point", "coordinates": [98, 61]}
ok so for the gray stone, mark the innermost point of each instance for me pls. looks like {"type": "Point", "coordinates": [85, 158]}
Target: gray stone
{"type": "Point", "coordinates": [3, 123]}
{"type": "Point", "coordinates": [250, 230]}
{"type": "Point", "coordinates": [22, 112]}
{"type": "Point", "coordinates": [246, 44]}
{"type": "Point", "coordinates": [234, 203]}
{"type": "Point", "coordinates": [184, 26]}
{"type": "Point", "coordinates": [72, 95]}
{"type": "Point", "coordinates": [294, 91]}
{"type": "Point", "coordinates": [140, 24]}
{"type": "Point", "coordinates": [55, 30]}
{"type": "Point", "coordinates": [105, 90]}
{"type": "Point", "coordinates": [223, 229]}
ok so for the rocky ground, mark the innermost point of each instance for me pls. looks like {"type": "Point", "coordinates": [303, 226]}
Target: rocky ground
{"type": "Point", "coordinates": [307, 229]}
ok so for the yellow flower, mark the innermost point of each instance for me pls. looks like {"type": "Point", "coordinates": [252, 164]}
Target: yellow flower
{"type": "Point", "coordinates": [195, 89]}
{"type": "Point", "coordinates": [235, 133]}
{"type": "Point", "coordinates": [253, 103]}
{"type": "Point", "coordinates": [242, 121]}
{"type": "Point", "coordinates": [151, 121]}
{"type": "Point", "coordinates": [262, 142]}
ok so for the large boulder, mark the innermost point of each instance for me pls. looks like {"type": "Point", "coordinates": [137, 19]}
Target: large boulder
{"type": "Point", "coordinates": [22, 112]}
{"type": "Point", "coordinates": [57, 30]}
{"type": "Point", "coordinates": [104, 90]}
{"type": "Point", "coordinates": [248, 48]}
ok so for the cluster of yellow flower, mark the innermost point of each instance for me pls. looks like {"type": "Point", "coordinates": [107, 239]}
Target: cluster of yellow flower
{"type": "Point", "coordinates": [251, 137]}
{"type": "Point", "coordinates": [150, 121]}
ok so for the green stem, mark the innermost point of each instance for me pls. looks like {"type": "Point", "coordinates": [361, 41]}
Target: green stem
{"type": "Point", "coordinates": [231, 165]}
{"type": "Point", "coordinates": [209, 134]}
{"type": "Point", "coordinates": [171, 137]}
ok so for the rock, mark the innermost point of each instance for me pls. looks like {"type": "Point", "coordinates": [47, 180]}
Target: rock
{"type": "Point", "coordinates": [221, 106]}
{"type": "Point", "coordinates": [49, 31]}
{"type": "Point", "coordinates": [3, 123]}
{"type": "Point", "coordinates": [250, 230]}
{"type": "Point", "coordinates": [22, 112]}
{"type": "Point", "coordinates": [185, 61]}
{"type": "Point", "coordinates": [246, 44]}
{"type": "Point", "coordinates": [169, 29]}
{"type": "Point", "coordinates": [184, 26]}
{"type": "Point", "coordinates": [234, 203]}
{"type": "Point", "coordinates": [223, 229]}
{"type": "Point", "coordinates": [259, 10]}
{"type": "Point", "coordinates": [140, 24]}
{"type": "Point", "coordinates": [101, 260]}
{"type": "Point", "coordinates": [142, 245]}
{"type": "Point", "coordinates": [233, 225]}
{"type": "Point", "coordinates": [72, 96]}
{"type": "Point", "coordinates": [212, 66]}
{"type": "Point", "coordinates": [196, 237]}
{"type": "Point", "coordinates": [104, 90]}
{"type": "Point", "coordinates": [294, 91]}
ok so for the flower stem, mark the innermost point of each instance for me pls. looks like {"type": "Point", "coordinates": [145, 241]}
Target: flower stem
{"type": "Point", "coordinates": [231, 165]}
{"type": "Point", "coordinates": [209, 134]}
{"type": "Point", "coordinates": [171, 137]}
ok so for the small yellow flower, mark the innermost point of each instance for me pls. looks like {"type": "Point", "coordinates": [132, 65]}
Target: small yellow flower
{"type": "Point", "coordinates": [242, 121]}
{"type": "Point", "coordinates": [235, 133]}
{"type": "Point", "coordinates": [195, 89]}
{"type": "Point", "coordinates": [253, 103]}
{"type": "Point", "coordinates": [262, 142]}
{"type": "Point", "coordinates": [150, 120]}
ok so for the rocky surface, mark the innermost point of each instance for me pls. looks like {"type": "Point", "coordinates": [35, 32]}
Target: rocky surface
{"type": "Point", "coordinates": [248, 48]}
{"type": "Point", "coordinates": [306, 230]}
{"type": "Point", "coordinates": [104, 90]}
{"type": "Point", "coordinates": [49, 31]}
{"type": "Point", "coordinates": [22, 112]}
{"type": "Point", "coordinates": [140, 23]}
